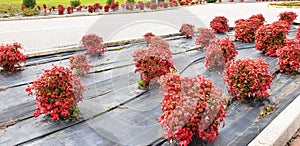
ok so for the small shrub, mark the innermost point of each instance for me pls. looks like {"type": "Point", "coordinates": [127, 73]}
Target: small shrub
{"type": "Point", "coordinates": [204, 37]}
{"type": "Point", "coordinates": [153, 6]}
{"type": "Point", "coordinates": [57, 93]}
{"type": "Point", "coordinates": [30, 12]}
{"type": "Point", "coordinates": [245, 28]}
{"type": "Point", "coordinates": [106, 8]}
{"type": "Point", "coordinates": [192, 107]}
{"type": "Point", "coordinates": [148, 36]}
{"type": "Point", "coordinates": [91, 9]}
{"type": "Point", "coordinates": [97, 6]}
{"type": "Point", "coordinates": [187, 30]}
{"type": "Point", "coordinates": [219, 24]}
{"type": "Point", "coordinates": [219, 53]}
{"type": "Point", "coordinates": [248, 79]}
{"type": "Point", "coordinates": [141, 5]}
{"type": "Point", "coordinates": [29, 3]}
{"type": "Point", "coordinates": [10, 56]}
{"type": "Point", "coordinates": [44, 6]}
{"type": "Point", "coordinates": [115, 6]}
{"type": "Point", "coordinates": [258, 16]}
{"type": "Point", "coordinates": [270, 37]}
{"type": "Point", "coordinates": [93, 44]}
{"type": "Point", "coordinates": [289, 57]}
{"type": "Point", "coordinates": [69, 10]}
{"type": "Point", "coordinates": [288, 16]}
{"type": "Point", "coordinates": [75, 3]}
{"type": "Point", "coordinates": [79, 64]}
{"type": "Point", "coordinates": [153, 62]}
{"type": "Point", "coordinates": [79, 8]}
{"type": "Point", "coordinates": [148, 4]}
{"type": "Point", "coordinates": [61, 10]}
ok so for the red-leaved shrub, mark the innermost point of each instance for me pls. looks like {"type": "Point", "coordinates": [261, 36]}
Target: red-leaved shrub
{"type": "Point", "coordinates": [288, 16]}
{"type": "Point", "coordinates": [258, 16]}
{"type": "Point", "coordinates": [219, 24]}
{"type": "Point", "coordinates": [79, 64]}
{"type": "Point", "coordinates": [106, 8]}
{"type": "Point", "coordinates": [187, 30]}
{"type": "Point", "coordinates": [248, 79]}
{"type": "Point", "coordinates": [245, 28]}
{"type": "Point", "coordinates": [289, 57]}
{"type": "Point", "coordinates": [270, 37]}
{"type": "Point", "coordinates": [10, 56]}
{"type": "Point", "coordinates": [61, 9]}
{"type": "Point", "coordinates": [153, 62]}
{"type": "Point", "coordinates": [153, 6]}
{"type": "Point", "coordinates": [204, 37]}
{"type": "Point", "coordinates": [148, 36]}
{"type": "Point", "coordinates": [57, 93]}
{"type": "Point", "coordinates": [192, 107]}
{"type": "Point", "coordinates": [219, 53]}
{"type": "Point", "coordinates": [91, 9]}
{"type": "Point", "coordinates": [93, 44]}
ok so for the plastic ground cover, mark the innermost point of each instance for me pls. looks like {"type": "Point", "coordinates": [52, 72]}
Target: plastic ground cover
{"type": "Point", "coordinates": [116, 112]}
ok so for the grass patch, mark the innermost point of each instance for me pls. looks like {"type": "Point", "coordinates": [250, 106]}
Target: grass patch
{"type": "Point", "coordinates": [9, 9]}
{"type": "Point", "coordinates": [287, 4]}
{"type": "Point", "coordinates": [56, 2]}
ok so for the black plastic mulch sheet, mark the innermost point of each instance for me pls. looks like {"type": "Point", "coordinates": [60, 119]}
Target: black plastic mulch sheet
{"type": "Point", "coordinates": [116, 112]}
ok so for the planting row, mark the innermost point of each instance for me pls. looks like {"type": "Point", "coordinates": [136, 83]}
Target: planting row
{"type": "Point", "coordinates": [29, 8]}
{"type": "Point", "coordinates": [191, 106]}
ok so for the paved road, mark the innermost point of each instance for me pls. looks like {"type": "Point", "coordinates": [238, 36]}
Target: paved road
{"type": "Point", "coordinates": [45, 34]}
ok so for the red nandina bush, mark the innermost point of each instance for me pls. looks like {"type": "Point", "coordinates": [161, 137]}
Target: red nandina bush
{"type": "Point", "coordinates": [93, 44]}
{"type": "Point", "coordinates": [10, 56]}
{"type": "Point", "coordinates": [245, 28]}
{"type": "Point", "coordinates": [115, 6]}
{"type": "Point", "coordinates": [153, 62]}
{"type": "Point", "coordinates": [219, 24]}
{"type": "Point", "coordinates": [248, 79]}
{"type": "Point", "coordinates": [258, 16]}
{"type": "Point", "coordinates": [61, 10]}
{"type": "Point", "coordinates": [97, 6]}
{"type": "Point", "coordinates": [148, 36]}
{"type": "Point", "coordinates": [288, 16]}
{"type": "Point", "coordinates": [192, 106]}
{"type": "Point", "coordinates": [79, 8]}
{"type": "Point", "coordinates": [69, 10]}
{"type": "Point", "coordinates": [270, 37]}
{"type": "Point", "coordinates": [23, 7]}
{"type": "Point", "coordinates": [219, 53]}
{"type": "Point", "coordinates": [204, 37]}
{"type": "Point", "coordinates": [106, 8]}
{"type": "Point", "coordinates": [141, 5]}
{"type": "Point", "coordinates": [79, 64]}
{"type": "Point", "coordinates": [289, 57]}
{"type": "Point", "coordinates": [91, 9]}
{"type": "Point", "coordinates": [148, 4]}
{"type": "Point", "coordinates": [187, 30]}
{"type": "Point", "coordinates": [153, 6]}
{"type": "Point", "coordinates": [57, 93]}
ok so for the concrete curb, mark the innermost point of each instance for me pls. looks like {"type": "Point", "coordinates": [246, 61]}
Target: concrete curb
{"type": "Point", "coordinates": [282, 128]}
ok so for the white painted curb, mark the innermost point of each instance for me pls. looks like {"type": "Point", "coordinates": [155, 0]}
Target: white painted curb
{"type": "Point", "coordinates": [282, 128]}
